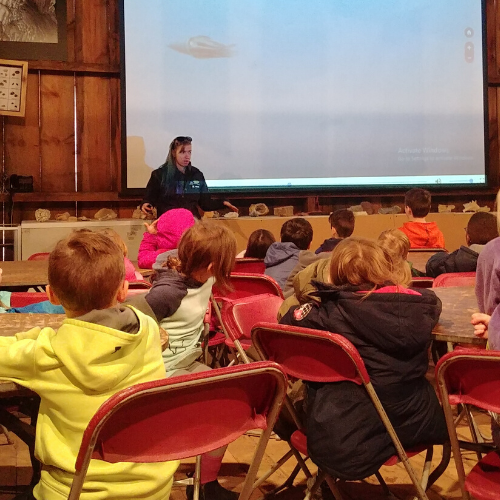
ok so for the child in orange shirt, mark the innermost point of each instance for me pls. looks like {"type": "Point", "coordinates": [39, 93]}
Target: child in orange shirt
{"type": "Point", "coordinates": [422, 234]}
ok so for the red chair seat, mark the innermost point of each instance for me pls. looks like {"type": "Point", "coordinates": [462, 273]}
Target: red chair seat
{"type": "Point", "coordinates": [410, 453]}
{"type": "Point", "coordinates": [299, 441]}
{"type": "Point", "coordinates": [217, 339]}
{"type": "Point", "coordinates": [483, 481]}
{"type": "Point", "coordinates": [245, 343]}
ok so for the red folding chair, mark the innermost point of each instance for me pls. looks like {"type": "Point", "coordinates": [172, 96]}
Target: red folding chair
{"type": "Point", "coordinates": [421, 282]}
{"type": "Point", "coordinates": [319, 356]}
{"type": "Point", "coordinates": [249, 265]}
{"type": "Point", "coordinates": [243, 285]}
{"type": "Point", "coordinates": [181, 417]}
{"type": "Point", "coordinates": [455, 279]}
{"type": "Point", "coordinates": [240, 315]}
{"type": "Point", "coordinates": [21, 299]}
{"type": "Point", "coordinates": [39, 256]}
{"type": "Point", "coordinates": [472, 377]}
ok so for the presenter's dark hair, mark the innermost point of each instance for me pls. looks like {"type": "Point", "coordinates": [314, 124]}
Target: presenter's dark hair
{"type": "Point", "coordinates": [419, 201]}
{"type": "Point", "coordinates": [298, 231]}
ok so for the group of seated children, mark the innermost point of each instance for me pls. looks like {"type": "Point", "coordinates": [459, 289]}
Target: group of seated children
{"type": "Point", "coordinates": [357, 288]}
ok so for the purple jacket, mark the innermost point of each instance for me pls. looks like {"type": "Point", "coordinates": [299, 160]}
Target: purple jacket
{"type": "Point", "coordinates": [488, 288]}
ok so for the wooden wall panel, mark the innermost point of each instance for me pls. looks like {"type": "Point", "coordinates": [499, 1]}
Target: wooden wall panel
{"type": "Point", "coordinates": [93, 134]}
{"type": "Point", "coordinates": [91, 36]}
{"type": "Point", "coordinates": [22, 137]}
{"type": "Point", "coordinates": [57, 133]}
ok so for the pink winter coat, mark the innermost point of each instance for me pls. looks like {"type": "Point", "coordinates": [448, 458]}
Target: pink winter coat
{"type": "Point", "coordinates": [170, 228]}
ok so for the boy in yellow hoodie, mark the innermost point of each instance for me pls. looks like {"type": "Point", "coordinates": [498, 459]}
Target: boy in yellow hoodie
{"type": "Point", "coordinates": [100, 349]}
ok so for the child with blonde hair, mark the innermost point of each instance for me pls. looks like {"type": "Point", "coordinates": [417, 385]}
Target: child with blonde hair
{"type": "Point", "coordinates": [397, 245]}
{"type": "Point", "coordinates": [130, 273]}
{"type": "Point", "coordinates": [100, 349]}
{"type": "Point", "coordinates": [391, 326]}
{"type": "Point", "coordinates": [179, 299]}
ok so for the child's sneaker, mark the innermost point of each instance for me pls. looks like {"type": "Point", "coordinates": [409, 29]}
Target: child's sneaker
{"type": "Point", "coordinates": [212, 491]}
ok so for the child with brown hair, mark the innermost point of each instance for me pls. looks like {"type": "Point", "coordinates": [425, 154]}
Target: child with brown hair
{"type": "Point", "coordinates": [391, 326]}
{"type": "Point", "coordinates": [179, 299]}
{"type": "Point", "coordinates": [422, 234]}
{"type": "Point", "coordinates": [342, 225]}
{"type": "Point", "coordinates": [481, 229]}
{"type": "Point", "coordinates": [258, 243]}
{"type": "Point", "coordinates": [100, 349]}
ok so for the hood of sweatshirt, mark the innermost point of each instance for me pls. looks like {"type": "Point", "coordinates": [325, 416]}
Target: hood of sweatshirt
{"type": "Point", "coordinates": [108, 347]}
{"type": "Point", "coordinates": [171, 226]}
{"type": "Point", "coordinates": [280, 252]}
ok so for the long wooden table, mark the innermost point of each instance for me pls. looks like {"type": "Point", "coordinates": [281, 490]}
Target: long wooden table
{"type": "Point", "coordinates": [459, 303]}
{"type": "Point", "coordinates": [34, 273]}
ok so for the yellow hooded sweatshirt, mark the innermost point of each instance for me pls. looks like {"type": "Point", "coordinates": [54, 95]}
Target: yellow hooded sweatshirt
{"type": "Point", "coordinates": [74, 370]}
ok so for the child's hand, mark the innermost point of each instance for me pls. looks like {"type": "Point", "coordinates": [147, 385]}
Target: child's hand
{"type": "Point", "coordinates": [480, 322]}
{"type": "Point", "coordinates": [163, 338]}
{"type": "Point", "coordinates": [152, 228]}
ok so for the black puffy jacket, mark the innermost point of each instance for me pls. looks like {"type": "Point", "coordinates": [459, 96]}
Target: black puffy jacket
{"type": "Point", "coordinates": [392, 332]}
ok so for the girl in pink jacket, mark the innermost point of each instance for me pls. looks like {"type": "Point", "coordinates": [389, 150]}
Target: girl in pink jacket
{"type": "Point", "coordinates": [162, 235]}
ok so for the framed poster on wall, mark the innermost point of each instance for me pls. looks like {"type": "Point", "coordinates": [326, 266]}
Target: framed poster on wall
{"type": "Point", "coordinates": [33, 30]}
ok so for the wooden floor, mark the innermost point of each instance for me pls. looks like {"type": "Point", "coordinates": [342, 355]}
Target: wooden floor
{"type": "Point", "coordinates": [15, 471]}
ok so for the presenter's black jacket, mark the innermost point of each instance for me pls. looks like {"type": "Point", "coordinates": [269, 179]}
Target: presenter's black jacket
{"type": "Point", "coordinates": [392, 332]}
{"type": "Point", "coordinates": [169, 188]}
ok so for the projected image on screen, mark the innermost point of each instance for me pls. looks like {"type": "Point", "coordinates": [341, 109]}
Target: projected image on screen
{"type": "Point", "coordinates": [296, 94]}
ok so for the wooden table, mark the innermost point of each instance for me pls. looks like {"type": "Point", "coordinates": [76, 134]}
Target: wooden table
{"type": "Point", "coordinates": [33, 273]}
{"type": "Point", "coordinates": [454, 323]}
{"type": "Point", "coordinates": [26, 273]}
{"type": "Point", "coordinates": [419, 259]}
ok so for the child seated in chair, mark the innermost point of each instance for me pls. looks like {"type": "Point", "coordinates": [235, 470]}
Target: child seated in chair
{"type": "Point", "coordinates": [422, 234]}
{"type": "Point", "coordinates": [258, 243]}
{"type": "Point", "coordinates": [487, 321]}
{"type": "Point", "coordinates": [481, 228]}
{"type": "Point", "coordinates": [282, 257]}
{"type": "Point", "coordinates": [163, 235]}
{"type": "Point", "coordinates": [100, 349]}
{"type": "Point", "coordinates": [342, 225]}
{"type": "Point", "coordinates": [178, 300]}
{"type": "Point", "coordinates": [391, 326]}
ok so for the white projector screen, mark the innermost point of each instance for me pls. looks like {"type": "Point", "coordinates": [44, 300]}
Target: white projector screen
{"type": "Point", "coordinates": [307, 94]}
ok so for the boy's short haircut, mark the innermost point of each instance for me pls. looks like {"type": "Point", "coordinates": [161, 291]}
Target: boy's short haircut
{"type": "Point", "coordinates": [482, 228]}
{"type": "Point", "coordinates": [419, 201]}
{"type": "Point", "coordinates": [343, 222]}
{"type": "Point", "coordinates": [86, 270]}
{"type": "Point", "coordinates": [298, 231]}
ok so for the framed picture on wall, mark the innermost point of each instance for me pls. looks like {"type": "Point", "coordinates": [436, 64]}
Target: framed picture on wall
{"type": "Point", "coordinates": [13, 80]}
{"type": "Point", "coordinates": [33, 30]}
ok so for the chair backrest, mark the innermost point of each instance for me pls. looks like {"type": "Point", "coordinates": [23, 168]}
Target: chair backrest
{"type": "Point", "coordinates": [246, 284]}
{"type": "Point", "coordinates": [249, 265]}
{"type": "Point", "coordinates": [455, 279]}
{"type": "Point", "coordinates": [312, 355]}
{"type": "Point", "coordinates": [427, 249]}
{"type": "Point", "coordinates": [470, 376]}
{"type": "Point", "coordinates": [21, 299]}
{"type": "Point", "coordinates": [185, 416]}
{"type": "Point", "coordinates": [239, 316]}
{"type": "Point", "coordinates": [39, 256]}
{"type": "Point", "coordinates": [139, 285]}
{"type": "Point", "coordinates": [422, 282]}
